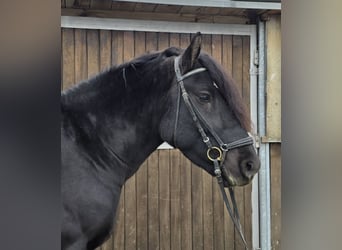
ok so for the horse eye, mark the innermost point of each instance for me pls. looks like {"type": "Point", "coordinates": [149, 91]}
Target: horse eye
{"type": "Point", "coordinates": [204, 97]}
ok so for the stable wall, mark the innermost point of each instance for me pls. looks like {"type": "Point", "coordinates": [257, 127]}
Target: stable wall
{"type": "Point", "coordinates": [169, 203]}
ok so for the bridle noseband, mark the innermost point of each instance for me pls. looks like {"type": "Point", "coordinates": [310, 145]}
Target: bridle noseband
{"type": "Point", "coordinates": [215, 154]}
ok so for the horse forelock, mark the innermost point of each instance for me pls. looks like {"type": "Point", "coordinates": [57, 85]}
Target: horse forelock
{"type": "Point", "coordinates": [228, 89]}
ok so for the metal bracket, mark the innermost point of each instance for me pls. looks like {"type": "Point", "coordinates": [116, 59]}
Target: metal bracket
{"type": "Point", "coordinates": [254, 71]}
{"type": "Point", "coordinates": [257, 141]}
{"type": "Point", "coordinates": [265, 139]}
{"type": "Point", "coordinates": [256, 58]}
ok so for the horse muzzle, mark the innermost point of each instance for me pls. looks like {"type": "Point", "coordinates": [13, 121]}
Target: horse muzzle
{"type": "Point", "coordinates": [239, 173]}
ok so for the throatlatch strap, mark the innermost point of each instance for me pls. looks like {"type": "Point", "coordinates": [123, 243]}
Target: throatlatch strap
{"type": "Point", "coordinates": [174, 135]}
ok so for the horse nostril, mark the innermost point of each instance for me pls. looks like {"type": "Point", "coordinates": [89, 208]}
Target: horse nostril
{"type": "Point", "coordinates": [248, 169]}
{"type": "Point", "coordinates": [249, 166]}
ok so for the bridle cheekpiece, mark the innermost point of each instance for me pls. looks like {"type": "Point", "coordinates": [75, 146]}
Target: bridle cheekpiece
{"type": "Point", "coordinates": [215, 154]}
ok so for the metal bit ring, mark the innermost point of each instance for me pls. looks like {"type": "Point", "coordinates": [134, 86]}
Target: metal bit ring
{"type": "Point", "coordinates": [214, 150]}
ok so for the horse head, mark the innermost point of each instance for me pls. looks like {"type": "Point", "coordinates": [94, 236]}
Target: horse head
{"type": "Point", "coordinates": [207, 119]}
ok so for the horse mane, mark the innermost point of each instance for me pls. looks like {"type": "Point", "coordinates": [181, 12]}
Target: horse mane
{"type": "Point", "coordinates": [128, 78]}
{"type": "Point", "coordinates": [124, 81]}
{"type": "Point", "coordinates": [228, 89]}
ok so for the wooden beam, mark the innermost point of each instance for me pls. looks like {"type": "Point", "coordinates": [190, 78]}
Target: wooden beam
{"type": "Point", "coordinates": [180, 17]}
{"type": "Point", "coordinates": [155, 26]}
{"type": "Point", "coordinates": [214, 3]}
{"type": "Point", "coordinates": [273, 78]}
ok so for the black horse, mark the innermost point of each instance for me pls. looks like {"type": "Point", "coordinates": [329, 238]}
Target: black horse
{"type": "Point", "coordinates": [111, 123]}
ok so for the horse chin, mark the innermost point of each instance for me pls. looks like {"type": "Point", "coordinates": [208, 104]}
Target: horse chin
{"type": "Point", "coordinates": [227, 183]}
{"type": "Point", "coordinates": [230, 181]}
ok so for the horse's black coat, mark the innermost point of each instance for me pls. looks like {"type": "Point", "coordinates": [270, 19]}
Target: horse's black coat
{"type": "Point", "coordinates": [112, 122]}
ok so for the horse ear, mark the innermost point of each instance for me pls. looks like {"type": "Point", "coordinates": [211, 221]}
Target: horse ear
{"type": "Point", "coordinates": [190, 55]}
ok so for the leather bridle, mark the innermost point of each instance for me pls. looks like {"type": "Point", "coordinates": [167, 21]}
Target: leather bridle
{"type": "Point", "coordinates": [215, 154]}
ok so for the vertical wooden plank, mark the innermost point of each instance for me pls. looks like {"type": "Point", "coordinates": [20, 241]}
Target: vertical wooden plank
{"type": "Point", "coordinates": [105, 49]}
{"type": "Point", "coordinates": [197, 202]}
{"type": "Point", "coordinates": [130, 214]}
{"type": "Point", "coordinates": [175, 187]}
{"type": "Point", "coordinates": [164, 176]}
{"type": "Point", "coordinates": [119, 229]}
{"type": "Point", "coordinates": [128, 38]}
{"type": "Point", "coordinates": [227, 53]}
{"type": "Point", "coordinates": [219, 218]}
{"type": "Point", "coordinates": [117, 47]}
{"type": "Point", "coordinates": [246, 97]}
{"type": "Point", "coordinates": [163, 41]}
{"type": "Point", "coordinates": [185, 181]}
{"type": "Point", "coordinates": [68, 58]}
{"type": "Point", "coordinates": [218, 212]}
{"type": "Point", "coordinates": [105, 41]}
{"type": "Point", "coordinates": [186, 204]}
{"type": "Point", "coordinates": [175, 223]}
{"type": "Point", "coordinates": [151, 41]}
{"type": "Point", "coordinates": [197, 207]}
{"type": "Point", "coordinates": [237, 61]}
{"type": "Point", "coordinates": [139, 41]}
{"type": "Point", "coordinates": [207, 180]}
{"type": "Point", "coordinates": [276, 195]}
{"type": "Point", "coordinates": [105, 62]}
{"type": "Point", "coordinates": [164, 199]}
{"type": "Point", "coordinates": [153, 202]}
{"type": "Point", "coordinates": [227, 63]}
{"type": "Point", "coordinates": [208, 220]}
{"type": "Point", "coordinates": [142, 233]}
{"type": "Point", "coordinates": [245, 71]}
{"type": "Point", "coordinates": [130, 185]}
{"type": "Point", "coordinates": [174, 40]}
{"type": "Point", "coordinates": [119, 225]}
{"type": "Point", "coordinates": [81, 65]}
{"type": "Point", "coordinates": [93, 51]}
{"type": "Point", "coordinates": [238, 77]}
{"type": "Point", "coordinates": [141, 175]}
{"type": "Point", "coordinates": [247, 226]}
{"type": "Point", "coordinates": [153, 173]}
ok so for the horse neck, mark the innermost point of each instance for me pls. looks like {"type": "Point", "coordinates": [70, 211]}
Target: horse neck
{"type": "Point", "coordinates": [134, 131]}
{"type": "Point", "coordinates": [133, 140]}
{"type": "Point", "coordinates": [126, 118]}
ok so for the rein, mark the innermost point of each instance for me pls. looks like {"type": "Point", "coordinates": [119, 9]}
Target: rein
{"type": "Point", "coordinates": [215, 154]}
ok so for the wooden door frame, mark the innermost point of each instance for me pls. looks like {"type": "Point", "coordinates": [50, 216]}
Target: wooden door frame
{"type": "Point", "coordinates": [187, 27]}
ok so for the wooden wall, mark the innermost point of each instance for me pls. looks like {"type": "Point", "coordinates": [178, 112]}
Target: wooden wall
{"type": "Point", "coordinates": [169, 203]}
